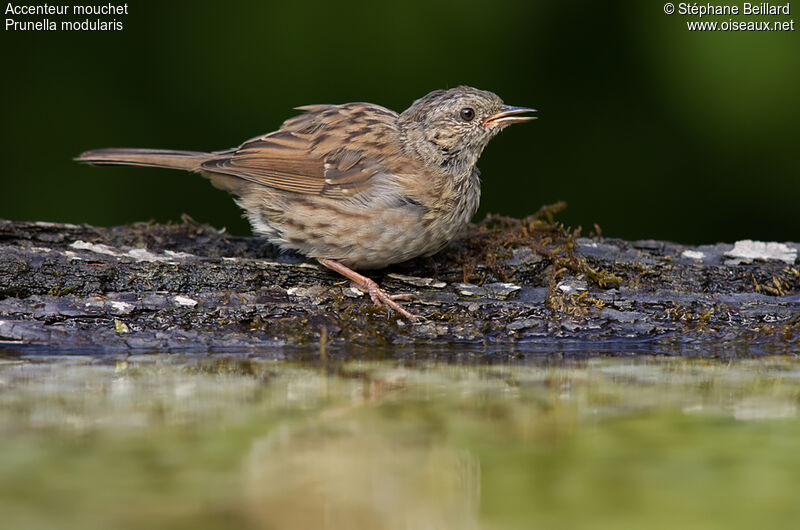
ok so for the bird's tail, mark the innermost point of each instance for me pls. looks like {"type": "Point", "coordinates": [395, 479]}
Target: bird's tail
{"type": "Point", "coordinates": [186, 160]}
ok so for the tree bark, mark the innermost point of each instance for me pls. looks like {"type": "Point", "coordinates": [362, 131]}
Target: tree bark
{"type": "Point", "coordinates": [527, 286]}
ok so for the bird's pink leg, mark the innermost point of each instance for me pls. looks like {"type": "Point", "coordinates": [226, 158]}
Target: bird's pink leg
{"type": "Point", "coordinates": [375, 293]}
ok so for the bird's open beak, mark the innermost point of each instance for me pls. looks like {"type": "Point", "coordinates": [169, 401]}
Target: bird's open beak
{"type": "Point", "coordinates": [508, 115]}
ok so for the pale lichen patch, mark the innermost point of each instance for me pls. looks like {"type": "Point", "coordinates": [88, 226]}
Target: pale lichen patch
{"type": "Point", "coordinates": [184, 301]}
{"type": "Point", "coordinates": [747, 250]}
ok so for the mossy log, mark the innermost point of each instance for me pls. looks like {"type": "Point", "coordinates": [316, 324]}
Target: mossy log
{"type": "Point", "coordinates": [520, 285]}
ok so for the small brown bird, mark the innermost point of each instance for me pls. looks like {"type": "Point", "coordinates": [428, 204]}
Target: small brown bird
{"type": "Point", "coordinates": [355, 185]}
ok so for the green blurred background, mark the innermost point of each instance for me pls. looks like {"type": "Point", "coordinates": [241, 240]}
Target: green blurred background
{"type": "Point", "coordinates": [645, 128]}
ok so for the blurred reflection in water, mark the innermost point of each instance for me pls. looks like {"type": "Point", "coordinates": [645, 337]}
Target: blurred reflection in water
{"type": "Point", "coordinates": [350, 476]}
{"type": "Point", "coordinates": [207, 443]}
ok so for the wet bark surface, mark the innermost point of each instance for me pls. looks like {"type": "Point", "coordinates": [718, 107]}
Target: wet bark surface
{"type": "Point", "coordinates": [511, 284]}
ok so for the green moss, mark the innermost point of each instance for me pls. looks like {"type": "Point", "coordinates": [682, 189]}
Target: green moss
{"type": "Point", "coordinates": [575, 304]}
{"type": "Point", "coordinates": [780, 284]}
{"type": "Point", "coordinates": [493, 240]}
{"type": "Point", "coordinates": [61, 291]}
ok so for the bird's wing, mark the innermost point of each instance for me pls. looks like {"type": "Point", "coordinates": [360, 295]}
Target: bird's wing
{"type": "Point", "coordinates": [332, 150]}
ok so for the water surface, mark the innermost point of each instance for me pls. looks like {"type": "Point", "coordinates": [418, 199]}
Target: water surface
{"type": "Point", "coordinates": [206, 442]}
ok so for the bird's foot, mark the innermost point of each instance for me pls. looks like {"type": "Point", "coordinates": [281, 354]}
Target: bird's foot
{"type": "Point", "coordinates": [379, 297]}
{"type": "Point", "coordinates": [376, 294]}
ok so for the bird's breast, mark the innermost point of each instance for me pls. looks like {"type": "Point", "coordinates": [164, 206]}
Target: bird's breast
{"type": "Point", "coordinates": [460, 200]}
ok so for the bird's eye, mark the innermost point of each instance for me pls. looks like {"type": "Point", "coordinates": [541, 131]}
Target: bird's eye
{"type": "Point", "coordinates": [467, 114]}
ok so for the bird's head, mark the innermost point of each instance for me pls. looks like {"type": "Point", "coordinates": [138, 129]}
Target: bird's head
{"type": "Point", "coordinates": [452, 127]}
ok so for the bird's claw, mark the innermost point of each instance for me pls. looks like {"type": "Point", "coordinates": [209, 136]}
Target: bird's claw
{"type": "Point", "coordinates": [379, 297]}
{"type": "Point", "coordinates": [363, 283]}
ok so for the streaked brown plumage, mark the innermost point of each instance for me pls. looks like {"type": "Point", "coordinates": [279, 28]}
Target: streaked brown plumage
{"type": "Point", "coordinates": [355, 185]}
